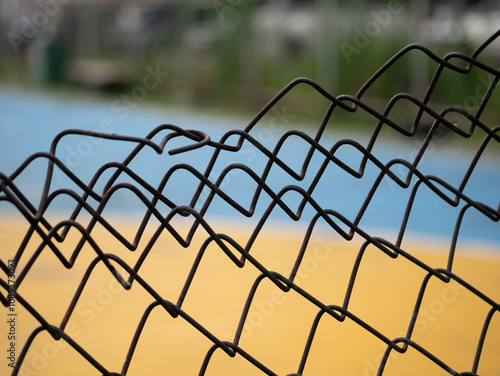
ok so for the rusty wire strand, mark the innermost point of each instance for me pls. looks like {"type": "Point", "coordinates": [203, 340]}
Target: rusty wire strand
{"type": "Point", "coordinates": [240, 254]}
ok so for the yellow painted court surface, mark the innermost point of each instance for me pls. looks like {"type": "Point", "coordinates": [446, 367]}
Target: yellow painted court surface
{"type": "Point", "coordinates": [278, 324]}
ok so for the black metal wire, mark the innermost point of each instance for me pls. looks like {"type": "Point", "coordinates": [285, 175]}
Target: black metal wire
{"type": "Point", "coordinates": [52, 234]}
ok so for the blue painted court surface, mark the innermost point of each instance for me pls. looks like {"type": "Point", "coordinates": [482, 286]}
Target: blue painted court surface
{"type": "Point", "coordinates": [30, 120]}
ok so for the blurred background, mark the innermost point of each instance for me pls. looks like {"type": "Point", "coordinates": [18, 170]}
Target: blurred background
{"type": "Point", "coordinates": [126, 66]}
{"type": "Point", "coordinates": [234, 54]}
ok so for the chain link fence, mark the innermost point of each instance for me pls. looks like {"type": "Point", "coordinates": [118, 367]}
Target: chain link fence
{"type": "Point", "coordinates": [182, 220]}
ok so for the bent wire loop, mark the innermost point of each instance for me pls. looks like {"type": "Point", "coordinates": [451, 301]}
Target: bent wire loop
{"type": "Point", "coordinates": [93, 202]}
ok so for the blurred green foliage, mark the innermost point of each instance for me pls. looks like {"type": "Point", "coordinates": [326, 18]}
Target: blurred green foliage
{"type": "Point", "coordinates": [234, 54]}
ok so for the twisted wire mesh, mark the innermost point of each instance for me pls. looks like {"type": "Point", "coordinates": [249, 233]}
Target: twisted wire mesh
{"type": "Point", "coordinates": [89, 216]}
